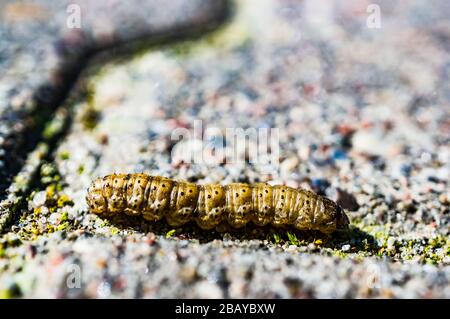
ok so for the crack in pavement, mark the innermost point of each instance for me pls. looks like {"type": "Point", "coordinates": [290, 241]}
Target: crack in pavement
{"type": "Point", "coordinates": [41, 58]}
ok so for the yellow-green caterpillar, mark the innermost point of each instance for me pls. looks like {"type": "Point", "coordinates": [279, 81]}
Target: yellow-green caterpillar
{"type": "Point", "coordinates": [155, 197]}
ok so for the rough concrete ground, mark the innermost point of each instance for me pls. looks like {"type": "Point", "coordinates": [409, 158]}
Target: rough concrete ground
{"type": "Point", "coordinates": [40, 56]}
{"type": "Point", "coordinates": [363, 117]}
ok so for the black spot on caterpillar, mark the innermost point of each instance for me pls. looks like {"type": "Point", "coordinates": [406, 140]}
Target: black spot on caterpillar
{"type": "Point", "coordinates": [155, 197]}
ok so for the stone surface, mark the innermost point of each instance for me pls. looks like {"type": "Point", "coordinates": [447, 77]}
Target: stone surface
{"type": "Point", "coordinates": [363, 117]}
{"type": "Point", "coordinates": [41, 56]}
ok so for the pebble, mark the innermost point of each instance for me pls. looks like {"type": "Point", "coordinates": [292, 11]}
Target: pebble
{"type": "Point", "coordinates": [39, 199]}
{"type": "Point", "coordinates": [54, 218]}
{"type": "Point", "coordinates": [207, 290]}
{"type": "Point", "coordinates": [444, 199]}
{"type": "Point", "coordinates": [368, 143]}
{"type": "Point", "coordinates": [288, 165]}
{"type": "Point", "coordinates": [391, 243]}
{"type": "Point", "coordinates": [104, 290]}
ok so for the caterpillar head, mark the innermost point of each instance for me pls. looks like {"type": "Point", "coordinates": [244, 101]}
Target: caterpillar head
{"type": "Point", "coordinates": [95, 199]}
{"type": "Point", "coordinates": [334, 220]}
{"type": "Point", "coordinates": [342, 220]}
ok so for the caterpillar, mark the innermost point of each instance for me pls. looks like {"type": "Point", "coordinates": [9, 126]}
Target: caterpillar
{"type": "Point", "coordinates": [156, 197]}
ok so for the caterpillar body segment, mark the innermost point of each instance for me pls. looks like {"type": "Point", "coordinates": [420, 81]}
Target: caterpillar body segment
{"type": "Point", "coordinates": [156, 197]}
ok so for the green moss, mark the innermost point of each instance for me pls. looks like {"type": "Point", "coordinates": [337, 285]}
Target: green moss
{"type": "Point", "coordinates": [293, 240]}
{"type": "Point", "coordinates": [6, 294]}
{"type": "Point", "coordinates": [65, 155]}
{"type": "Point", "coordinates": [276, 238]}
{"type": "Point", "coordinates": [31, 226]}
{"type": "Point", "coordinates": [339, 253]}
{"type": "Point", "coordinates": [63, 200]}
{"type": "Point", "coordinates": [51, 130]}
{"type": "Point", "coordinates": [426, 250]}
{"type": "Point", "coordinates": [170, 233]}
{"type": "Point", "coordinates": [13, 241]}
{"type": "Point", "coordinates": [227, 37]}
{"type": "Point", "coordinates": [64, 217]}
{"type": "Point", "coordinates": [21, 182]}
{"type": "Point", "coordinates": [90, 118]}
{"type": "Point", "coordinates": [62, 226]}
{"type": "Point", "coordinates": [49, 174]}
{"type": "Point", "coordinates": [7, 241]}
{"type": "Point", "coordinates": [55, 126]}
{"type": "Point", "coordinates": [90, 115]}
{"type": "Point", "coordinates": [438, 242]}
{"type": "Point", "coordinates": [12, 292]}
{"type": "Point", "coordinates": [90, 95]}
{"type": "Point", "coordinates": [80, 169]}
{"type": "Point", "coordinates": [53, 189]}
{"type": "Point", "coordinates": [318, 242]}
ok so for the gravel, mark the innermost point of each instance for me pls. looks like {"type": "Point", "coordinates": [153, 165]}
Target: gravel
{"type": "Point", "coordinates": [362, 116]}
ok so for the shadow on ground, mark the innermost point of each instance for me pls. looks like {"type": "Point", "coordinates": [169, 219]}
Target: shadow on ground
{"type": "Point", "coordinates": [359, 239]}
